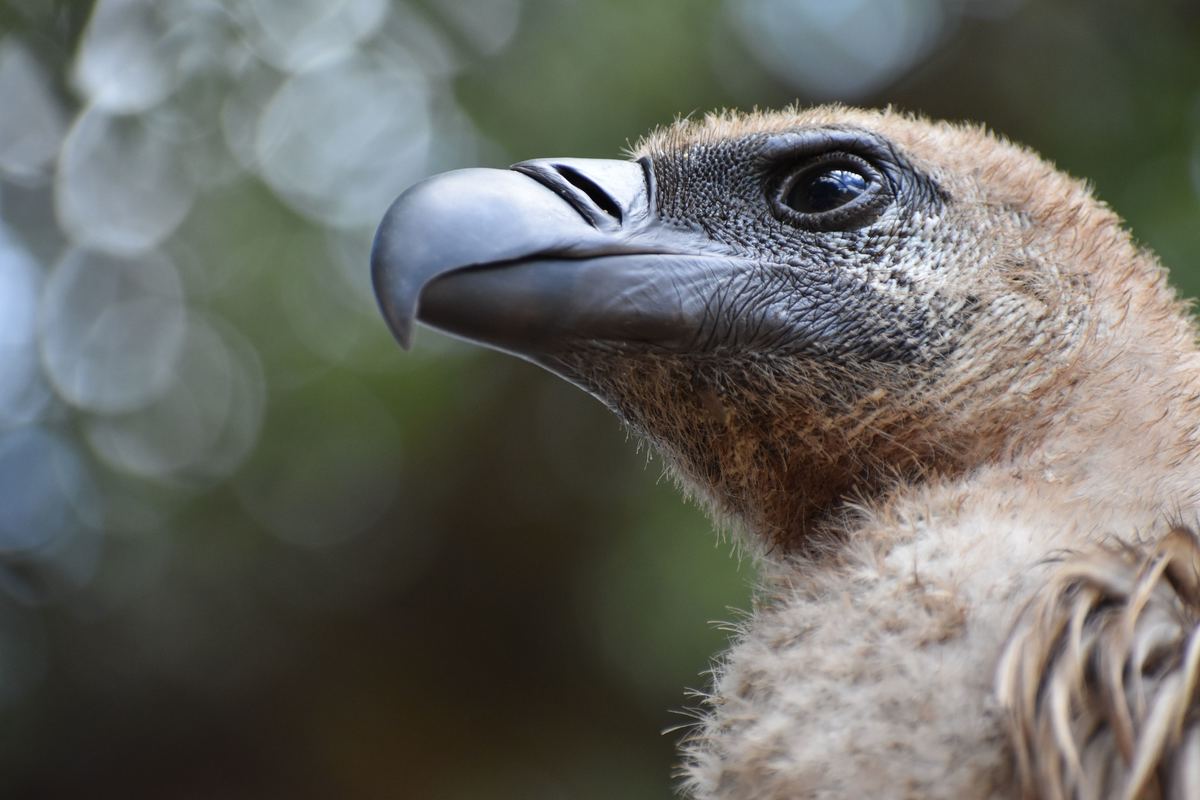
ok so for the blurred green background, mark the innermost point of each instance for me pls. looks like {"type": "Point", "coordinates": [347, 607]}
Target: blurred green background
{"type": "Point", "coordinates": [250, 548]}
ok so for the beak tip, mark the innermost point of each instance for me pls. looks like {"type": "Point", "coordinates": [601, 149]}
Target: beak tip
{"type": "Point", "coordinates": [399, 318]}
{"type": "Point", "coordinates": [402, 332]}
{"type": "Point", "coordinates": [404, 338]}
{"type": "Point", "coordinates": [394, 296]}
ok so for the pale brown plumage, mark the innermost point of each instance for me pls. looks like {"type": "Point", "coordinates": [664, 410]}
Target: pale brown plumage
{"type": "Point", "coordinates": [1094, 692]}
{"type": "Point", "coordinates": [958, 476]}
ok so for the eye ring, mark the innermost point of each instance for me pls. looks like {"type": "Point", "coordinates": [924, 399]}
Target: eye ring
{"type": "Point", "coordinates": [828, 192]}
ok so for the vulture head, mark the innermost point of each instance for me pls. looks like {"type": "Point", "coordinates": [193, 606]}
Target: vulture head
{"type": "Point", "coordinates": [800, 310]}
{"type": "Point", "coordinates": [951, 403]}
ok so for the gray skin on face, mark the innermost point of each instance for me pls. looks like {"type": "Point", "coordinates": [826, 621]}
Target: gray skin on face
{"type": "Point", "coordinates": [827, 285]}
{"type": "Point", "coordinates": [763, 349]}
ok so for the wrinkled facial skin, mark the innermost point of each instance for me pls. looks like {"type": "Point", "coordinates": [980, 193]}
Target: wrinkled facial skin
{"type": "Point", "coordinates": [834, 367]}
{"type": "Point", "coordinates": [850, 292]}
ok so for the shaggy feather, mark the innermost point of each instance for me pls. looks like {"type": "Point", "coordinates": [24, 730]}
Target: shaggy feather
{"type": "Point", "coordinates": [1103, 661]}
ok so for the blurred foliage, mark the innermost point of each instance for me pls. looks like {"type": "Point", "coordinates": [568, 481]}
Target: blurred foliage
{"type": "Point", "coordinates": [251, 549]}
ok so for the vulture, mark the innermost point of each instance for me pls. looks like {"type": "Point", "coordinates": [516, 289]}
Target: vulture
{"type": "Point", "coordinates": [951, 406]}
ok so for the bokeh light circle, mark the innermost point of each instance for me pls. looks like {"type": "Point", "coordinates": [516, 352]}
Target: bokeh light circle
{"type": "Point", "coordinates": [340, 142]}
{"type": "Point", "coordinates": [120, 185]}
{"type": "Point", "coordinates": [203, 425]}
{"type": "Point", "coordinates": [111, 329]}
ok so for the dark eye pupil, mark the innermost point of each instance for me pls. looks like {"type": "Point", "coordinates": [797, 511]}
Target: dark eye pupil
{"type": "Point", "coordinates": [825, 189]}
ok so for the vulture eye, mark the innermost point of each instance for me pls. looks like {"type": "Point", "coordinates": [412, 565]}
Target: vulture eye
{"type": "Point", "coordinates": [833, 191]}
{"type": "Point", "coordinates": [824, 188]}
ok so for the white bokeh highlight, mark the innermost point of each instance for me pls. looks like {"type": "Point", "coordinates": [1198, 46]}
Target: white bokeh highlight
{"type": "Point", "coordinates": [205, 423]}
{"type": "Point", "coordinates": [23, 394]}
{"type": "Point", "coordinates": [295, 35]}
{"type": "Point", "coordinates": [112, 329]}
{"type": "Point", "coordinates": [340, 142]}
{"type": "Point", "coordinates": [489, 25]}
{"type": "Point", "coordinates": [126, 61]}
{"type": "Point", "coordinates": [120, 185]}
{"type": "Point", "coordinates": [33, 124]}
{"type": "Point", "coordinates": [838, 50]}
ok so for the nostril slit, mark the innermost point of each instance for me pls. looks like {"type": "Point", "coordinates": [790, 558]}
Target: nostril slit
{"type": "Point", "coordinates": [589, 187]}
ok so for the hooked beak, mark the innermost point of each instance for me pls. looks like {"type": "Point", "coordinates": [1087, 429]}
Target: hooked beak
{"type": "Point", "coordinates": [541, 257]}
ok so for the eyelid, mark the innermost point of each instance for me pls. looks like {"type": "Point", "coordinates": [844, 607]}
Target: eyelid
{"type": "Point", "coordinates": [860, 211]}
{"type": "Point", "coordinates": [797, 145]}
